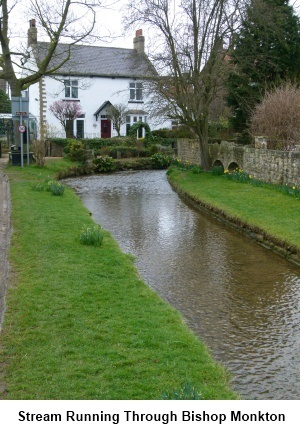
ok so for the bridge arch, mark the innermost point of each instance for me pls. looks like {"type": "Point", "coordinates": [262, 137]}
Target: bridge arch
{"type": "Point", "coordinates": [233, 166]}
{"type": "Point", "coordinates": [218, 163]}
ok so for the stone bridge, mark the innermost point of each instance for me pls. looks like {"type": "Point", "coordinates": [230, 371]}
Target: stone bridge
{"type": "Point", "coordinates": [265, 164]}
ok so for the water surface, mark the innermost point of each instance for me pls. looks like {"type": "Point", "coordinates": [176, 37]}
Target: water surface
{"type": "Point", "coordinates": [238, 297]}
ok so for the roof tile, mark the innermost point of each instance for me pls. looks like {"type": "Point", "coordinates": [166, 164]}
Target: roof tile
{"type": "Point", "coordinates": [99, 61]}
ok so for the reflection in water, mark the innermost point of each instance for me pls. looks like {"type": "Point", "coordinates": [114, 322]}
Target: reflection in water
{"type": "Point", "coordinates": [241, 299]}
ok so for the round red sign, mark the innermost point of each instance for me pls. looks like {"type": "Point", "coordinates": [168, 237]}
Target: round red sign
{"type": "Point", "coordinates": [22, 128]}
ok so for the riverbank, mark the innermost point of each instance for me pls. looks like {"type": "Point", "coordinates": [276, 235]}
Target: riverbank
{"type": "Point", "coordinates": [263, 214]}
{"type": "Point", "coordinates": [80, 323]}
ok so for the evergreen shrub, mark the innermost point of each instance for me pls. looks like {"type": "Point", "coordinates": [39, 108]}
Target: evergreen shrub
{"type": "Point", "coordinates": [161, 161]}
{"type": "Point", "coordinates": [98, 143]}
{"type": "Point", "coordinates": [125, 151]}
{"type": "Point", "coordinates": [104, 164]}
{"type": "Point", "coordinates": [77, 152]}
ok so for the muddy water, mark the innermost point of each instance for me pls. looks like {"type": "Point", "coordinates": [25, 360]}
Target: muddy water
{"type": "Point", "coordinates": [238, 297]}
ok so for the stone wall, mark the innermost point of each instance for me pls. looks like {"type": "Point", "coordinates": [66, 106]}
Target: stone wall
{"type": "Point", "coordinates": [273, 166]}
{"type": "Point", "coordinates": [264, 164]}
{"type": "Point", "coordinates": [188, 150]}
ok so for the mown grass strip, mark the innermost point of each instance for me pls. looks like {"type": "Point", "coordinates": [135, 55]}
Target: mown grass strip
{"type": "Point", "coordinates": [80, 324]}
{"type": "Point", "coordinates": [266, 208]}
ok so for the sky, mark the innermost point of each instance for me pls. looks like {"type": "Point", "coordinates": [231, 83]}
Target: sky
{"type": "Point", "coordinates": [113, 19]}
{"type": "Point", "coordinates": [108, 20]}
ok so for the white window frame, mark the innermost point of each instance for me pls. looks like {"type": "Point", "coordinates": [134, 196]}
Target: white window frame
{"type": "Point", "coordinates": [136, 91]}
{"type": "Point", "coordinates": [81, 118]}
{"type": "Point", "coordinates": [71, 88]}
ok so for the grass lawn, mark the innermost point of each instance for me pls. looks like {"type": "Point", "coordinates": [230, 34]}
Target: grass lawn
{"type": "Point", "coordinates": [267, 208]}
{"type": "Point", "coordinates": [80, 323]}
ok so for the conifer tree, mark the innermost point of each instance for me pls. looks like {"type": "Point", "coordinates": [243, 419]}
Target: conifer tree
{"type": "Point", "coordinates": [5, 104]}
{"type": "Point", "coordinates": [264, 53]}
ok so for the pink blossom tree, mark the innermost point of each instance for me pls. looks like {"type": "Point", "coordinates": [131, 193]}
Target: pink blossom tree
{"type": "Point", "coordinates": [66, 111]}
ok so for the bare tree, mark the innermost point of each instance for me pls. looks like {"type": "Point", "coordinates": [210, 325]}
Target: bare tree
{"type": "Point", "coordinates": [117, 114]}
{"type": "Point", "coordinates": [190, 57]}
{"type": "Point", "coordinates": [277, 117]}
{"type": "Point", "coordinates": [66, 112]}
{"type": "Point", "coordinates": [70, 20]}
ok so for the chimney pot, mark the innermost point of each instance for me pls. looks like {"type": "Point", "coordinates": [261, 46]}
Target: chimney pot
{"type": "Point", "coordinates": [139, 42]}
{"type": "Point", "coordinates": [32, 33]}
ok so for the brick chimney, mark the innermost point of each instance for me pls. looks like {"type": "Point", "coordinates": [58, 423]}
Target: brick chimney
{"type": "Point", "coordinates": [32, 33]}
{"type": "Point", "coordinates": [139, 42]}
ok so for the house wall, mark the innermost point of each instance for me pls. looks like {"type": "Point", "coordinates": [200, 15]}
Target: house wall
{"type": "Point", "coordinates": [34, 101]}
{"type": "Point", "coordinates": [92, 93]}
{"type": "Point", "coordinates": [264, 164]}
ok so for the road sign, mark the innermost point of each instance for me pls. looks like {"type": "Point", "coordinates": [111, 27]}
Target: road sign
{"type": "Point", "coordinates": [22, 128]}
{"type": "Point", "coordinates": [19, 106]}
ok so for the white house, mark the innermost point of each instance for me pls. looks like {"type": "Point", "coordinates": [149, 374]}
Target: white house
{"type": "Point", "coordinates": [96, 77]}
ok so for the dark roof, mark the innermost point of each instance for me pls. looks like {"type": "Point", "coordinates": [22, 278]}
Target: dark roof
{"type": "Point", "coordinates": [98, 61]}
{"type": "Point", "coordinates": [105, 104]}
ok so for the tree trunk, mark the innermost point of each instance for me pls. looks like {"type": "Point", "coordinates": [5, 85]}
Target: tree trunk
{"type": "Point", "coordinates": [69, 129]}
{"type": "Point", "coordinates": [204, 156]}
{"type": "Point", "coordinates": [202, 131]}
{"type": "Point", "coordinates": [15, 87]}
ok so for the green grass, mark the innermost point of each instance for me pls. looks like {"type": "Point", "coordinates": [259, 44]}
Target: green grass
{"type": "Point", "coordinates": [264, 207]}
{"type": "Point", "coordinates": [92, 236]}
{"type": "Point", "coordinates": [80, 323]}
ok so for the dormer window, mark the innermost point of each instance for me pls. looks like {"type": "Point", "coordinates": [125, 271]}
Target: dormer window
{"type": "Point", "coordinates": [136, 92]}
{"type": "Point", "coordinates": [71, 89]}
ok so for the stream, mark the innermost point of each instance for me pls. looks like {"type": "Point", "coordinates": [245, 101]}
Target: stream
{"type": "Point", "coordinates": [241, 299]}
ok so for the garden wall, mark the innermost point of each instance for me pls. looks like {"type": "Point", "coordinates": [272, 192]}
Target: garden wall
{"type": "Point", "coordinates": [265, 164]}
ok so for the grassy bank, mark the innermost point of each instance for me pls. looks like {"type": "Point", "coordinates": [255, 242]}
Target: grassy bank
{"type": "Point", "coordinates": [80, 324]}
{"type": "Point", "coordinates": [264, 213]}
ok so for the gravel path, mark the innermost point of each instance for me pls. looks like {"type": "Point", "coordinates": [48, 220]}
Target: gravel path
{"type": "Point", "coordinates": [5, 231]}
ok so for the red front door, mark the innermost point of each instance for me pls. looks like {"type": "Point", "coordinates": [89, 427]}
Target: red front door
{"type": "Point", "coordinates": [105, 128]}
